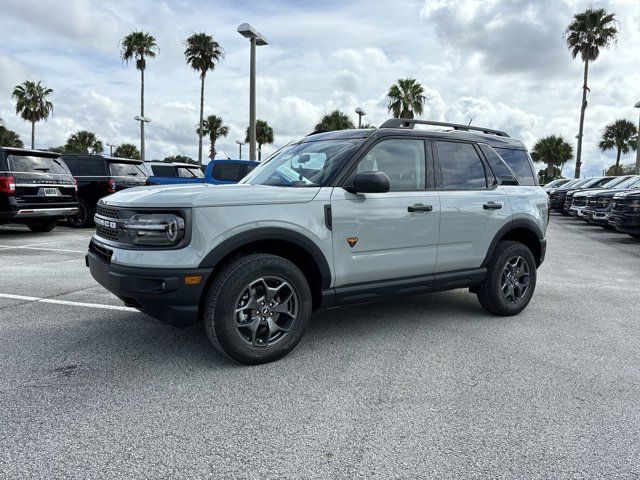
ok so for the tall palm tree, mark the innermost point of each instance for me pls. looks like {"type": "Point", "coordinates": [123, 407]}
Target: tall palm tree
{"type": "Point", "coordinates": [139, 45]}
{"type": "Point", "coordinates": [406, 98]}
{"type": "Point", "coordinates": [84, 141]}
{"type": "Point", "coordinates": [553, 150]}
{"type": "Point", "coordinates": [213, 127]}
{"type": "Point", "coordinates": [202, 53]}
{"type": "Point", "coordinates": [32, 104]}
{"type": "Point", "coordinates": [621, 135]}
{"type": "Point", "coordinates": [264, 135]}
{"type": "Point", "coordinates": [127, 150]}
{"type": "Point", "coordinates": [335, 120]}
{"type": "Point", "coordinates": [589, 31]}
{"type": "Point", "coordinates": [9, 138]}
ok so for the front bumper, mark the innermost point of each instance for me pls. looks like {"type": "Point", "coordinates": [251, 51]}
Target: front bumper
{"type": "Point", "coordinates": [625, 222]}
{"type": "Point", "coordinates": [576, 211]}
{"type": "Point", "coordinates": [159, 292]}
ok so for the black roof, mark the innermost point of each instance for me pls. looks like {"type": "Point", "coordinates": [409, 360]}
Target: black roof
{"type": "Point", "coordinates": [28, 151]}
{"type": "Point", "coordinates": [102, 157]}
{"type": "Point", "coordinates": [493, 138]}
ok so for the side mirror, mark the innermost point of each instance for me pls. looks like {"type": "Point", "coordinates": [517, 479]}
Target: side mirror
{"type": "Point", "coordinates": [369, 182]}
{"type": "Point", "coordinates": [507, 180]}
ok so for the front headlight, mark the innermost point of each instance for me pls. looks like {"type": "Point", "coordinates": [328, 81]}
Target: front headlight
{"type": "Point", "coordinates": [160, 229]}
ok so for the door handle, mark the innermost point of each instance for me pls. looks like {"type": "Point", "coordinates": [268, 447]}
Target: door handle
{"type": "Point", "coordinates": [492, 206]}
{"type": "Point", "coordinates": [418, 207]}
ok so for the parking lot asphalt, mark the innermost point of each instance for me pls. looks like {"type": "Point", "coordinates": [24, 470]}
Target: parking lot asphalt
{"type": "Point", "coordinates": [421, 387]}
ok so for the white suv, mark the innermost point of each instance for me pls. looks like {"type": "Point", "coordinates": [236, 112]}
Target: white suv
{"type": "Point", "coordinates": [335, 218]}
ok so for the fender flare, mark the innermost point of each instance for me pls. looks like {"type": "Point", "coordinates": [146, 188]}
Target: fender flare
{"type": "Point", "coordinates": [270, 233]}
{"type": "Point", "coordinates": [518, 223]}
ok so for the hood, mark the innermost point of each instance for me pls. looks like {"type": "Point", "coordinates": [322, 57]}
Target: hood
{"type": "Point", "coordinates": [206, 195]}
{"type": "Point", "coordinates": [635, 192]}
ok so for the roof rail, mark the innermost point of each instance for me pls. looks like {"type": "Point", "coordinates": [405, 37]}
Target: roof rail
{"type": "Point", "coordinates": [410, 123]}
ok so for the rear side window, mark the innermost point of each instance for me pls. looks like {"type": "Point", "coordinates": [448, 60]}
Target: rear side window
{"type": "Point", "coordinates": [520, 163]}
{"type": "Point", "coordinates": [29, 163]}
{"type": "Point", "coordinates": [403, 161]}
{"type": "Point", "coordinates": [460, 166]}
{"type": "Point", "coordinates": [126, 170]}
{"type": "Point", "coordinates": [229, 172]}
{"type": "Point", "coordinates": [497, 164]}
{"type": "Point", "coordinates": [186, 172]}
{"type": "Point", "coordinates": [84, 167]}
{"type": "Point", "coordinates": [164, 170]}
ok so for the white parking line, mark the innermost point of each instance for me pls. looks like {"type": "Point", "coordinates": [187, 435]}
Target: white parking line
{"type": "Point", "coordinates": [8, 247]}
{"type": "Point", "coordinates": [67, 302]}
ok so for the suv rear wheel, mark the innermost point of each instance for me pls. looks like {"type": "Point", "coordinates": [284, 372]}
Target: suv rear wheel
{"type": "Point", "coordinates": [83, 218]}
{"type": "Point", "coordinates": [257, 308]}
{"type": "Point", "coordinates": [510, 281]}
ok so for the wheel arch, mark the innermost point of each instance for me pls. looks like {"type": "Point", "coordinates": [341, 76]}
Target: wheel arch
{"type": "Point", "coordinates": [524, 231]}
{"type": "Point", "coordinates": [294, 246]}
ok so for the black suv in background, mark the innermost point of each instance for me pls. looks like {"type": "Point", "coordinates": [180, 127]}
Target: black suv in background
{"type": "Point", "coordinates": [98, 176]}
{"type": "Point", "coordinates": [36, 189]}
{"type": "Point", "coordinates": [625, 213]}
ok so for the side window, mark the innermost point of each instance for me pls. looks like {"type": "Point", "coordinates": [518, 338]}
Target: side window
{"type": "Point", "coordinates": [460, 166]}
{"type": "Point", "coordinates": [519, 162]}
{"type": "Point", "coordinates": [229, 172]}
{"type": "Point", "coordinates": [402, 160]}
{"type": "Point", "coordinates": [164, 170]}
{"type": "Point", "coordinates": [83, 167]}
{"type": "Point", "coordinates": [496, 163]}
{"type": "Point", "coordinates": [184, 172]}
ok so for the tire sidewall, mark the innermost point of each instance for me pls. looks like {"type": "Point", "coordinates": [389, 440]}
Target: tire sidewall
{"type": "Point", "coordinates": [221, 317]}
{"type": "Point", "coordinates": [87, 220]}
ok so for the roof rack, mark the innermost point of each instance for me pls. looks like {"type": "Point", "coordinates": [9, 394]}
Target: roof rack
{"type": "Point", "coordinates": [410, 123]}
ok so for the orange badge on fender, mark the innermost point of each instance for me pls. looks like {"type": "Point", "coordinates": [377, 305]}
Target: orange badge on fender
{"type": "Point", "coordinates": [352, 241]}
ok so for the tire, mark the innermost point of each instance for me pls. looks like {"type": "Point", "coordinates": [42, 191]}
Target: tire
{"type": "Point", "coordinates": [491, 295]}
{"type": "Point", "coordinates": [84, 217]}
{"type": "Point", "coordinates": [242, 283]}
{"type": "Point", "coordinates": [42, 227]}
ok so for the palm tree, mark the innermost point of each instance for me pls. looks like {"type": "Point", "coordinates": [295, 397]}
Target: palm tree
{"type": "Point", "coordinates": [406, 98]}
{"type": "Point", "coordinates": [589, 31]}
{"type": "Point", "coordinates": [139, 45]}
{"type": "Point", "coordinates": [214, 128]}
{"type": "Point", "coordinates": [553, 150]}
{"type": "Point", "coordinates": [32, 104]}
{"type": "Point", "coordinates": [127, 150]}
{"type": "Point", "coordinates": [335, 120]}
{"type": "Point", "coordinates": [264, 135]}
{"type": "Point", "coordinates": [9, 138]}
{"type": "Point", "coordinates": [621, 135]}
{"type": "Point", "coordinates": [84, 142]}
{"type": "Point", "coordinates": [202, 54]}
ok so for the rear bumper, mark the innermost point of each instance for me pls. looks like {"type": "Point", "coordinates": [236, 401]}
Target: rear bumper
{"type": "Point", "coordinates": [160, 293]}
{"type": "Point", "coordinates": [24, 214]}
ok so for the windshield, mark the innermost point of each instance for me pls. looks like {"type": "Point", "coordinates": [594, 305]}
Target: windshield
{"type": "Point", "coordinates": [629, 181]}
{"type": "Point", "coordinates": [598, 182]}
{"type": "Point", "coordinates": [126, 170]}
{"type": "Point", "coordinates": [30, 164]}
{"type": "Point", "coordinates": [558, 182]}
{"type": "Point", "coordinates": [309, 164]}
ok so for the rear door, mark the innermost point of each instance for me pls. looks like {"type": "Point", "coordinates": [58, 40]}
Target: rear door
{"type": "Point", "coordinates": [41, 181]}
{"type": "Point", "coordinates": [473, 208]}
{"type": "Point", "coordinates": [382, 236]}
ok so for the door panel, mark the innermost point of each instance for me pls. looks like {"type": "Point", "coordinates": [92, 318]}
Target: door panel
{"type": "Point", "coordinates": [391, 241]}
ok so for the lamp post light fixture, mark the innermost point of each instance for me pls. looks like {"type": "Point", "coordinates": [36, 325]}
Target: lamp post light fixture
{"type": "Point", "coordinates": [637, 105]}
{"type": "Point", "coordinates": [110, 149]}
{"type": "Point", "coordinates": [256, 39]}
{"type": "Point", "coordinates": [240, 143]}
{"type": "Point", "coordinates": [142, 120]}
{"type": "Point", "coordinates": [361, 113]}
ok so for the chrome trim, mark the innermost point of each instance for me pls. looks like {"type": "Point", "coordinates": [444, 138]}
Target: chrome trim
{"type": "Point", "coordinates": [47, 212]}
{"type": "Point", "coordinates": [56, 185]}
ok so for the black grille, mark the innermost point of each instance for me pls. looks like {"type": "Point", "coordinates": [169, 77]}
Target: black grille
{"type": "Point", "coordinates": [619, 205]}
{"type": "Point", "coordinates": [579, 202]}
{"type": "Point", "coordinates": [102, 253]}
{"type": "Point", "coordinates": [109, 212]}
{"type": "Point", "coordinates": [108, 233]}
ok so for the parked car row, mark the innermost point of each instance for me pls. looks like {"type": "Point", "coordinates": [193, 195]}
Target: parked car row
{"type": "Point", "coordinates": [38, 188]}
{"type": "Point", "coordinates": [610, 202]}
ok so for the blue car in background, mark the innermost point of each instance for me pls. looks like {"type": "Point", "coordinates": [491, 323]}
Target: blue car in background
{"type": "Point", "coordinates": [217, 172]}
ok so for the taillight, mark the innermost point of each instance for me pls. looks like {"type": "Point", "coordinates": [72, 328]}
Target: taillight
{"type": "Point", "coordinates": [8, 185]}
{"type": "Point", "coordinates": [112, 185]}
{"type": "Point", "coordinates": [75, 185]}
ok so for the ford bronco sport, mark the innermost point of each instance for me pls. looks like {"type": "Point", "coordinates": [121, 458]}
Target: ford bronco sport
{"type": "Point", "coordinates": [336, 218]}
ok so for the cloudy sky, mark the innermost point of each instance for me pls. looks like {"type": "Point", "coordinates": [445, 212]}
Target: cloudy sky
{"type": "Point", "coordinates": [501, 62]}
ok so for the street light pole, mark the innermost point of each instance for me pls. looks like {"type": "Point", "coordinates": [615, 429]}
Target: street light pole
{"type": "Point", "coordinates": [255, 39]}
{"type": "Point", "coordinates": [361, 114]}
{"type": "Point", "coordinates": [637, 105]}
{"type": "Point", "coordinates": [110, 149]}
{"type": "Point", "coordinates": [142, 121]}
{"type": "Point", "coordinates": [240, 143]}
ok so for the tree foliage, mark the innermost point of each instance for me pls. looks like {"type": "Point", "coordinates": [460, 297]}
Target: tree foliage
{"type": "Point", "coordinates": [9, 138]}
{"type": "Point", "coordinates": [84, 142]}
{"type": "Point", "coordinates": [406, 98]}
{"type": "Point", "coordinates": [214, 128]}
{"type": "Point", "coordinates": [264, 135]}
{"type": "Point", "coordinates": [138, 46]}
{"type": "Point", "coordinates": [553, 150]}
{"type": "Point", "coordinates": [180, 159]}
{"type": "Point", "coordinates": [127, 150]}
{"type": "Point", "coordinates": [335, 120]}
{"type": "Point", "coordinates": [621, 135]}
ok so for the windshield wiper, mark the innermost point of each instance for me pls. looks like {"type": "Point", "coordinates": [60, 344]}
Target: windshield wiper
{"type": "Point", "coordinates": [44, 169]}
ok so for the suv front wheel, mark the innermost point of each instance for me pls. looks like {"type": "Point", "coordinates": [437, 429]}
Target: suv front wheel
{"type": "Point", "coordinates": [510, 281]}
{"type": "Point", "coordinates": [257, 308]}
